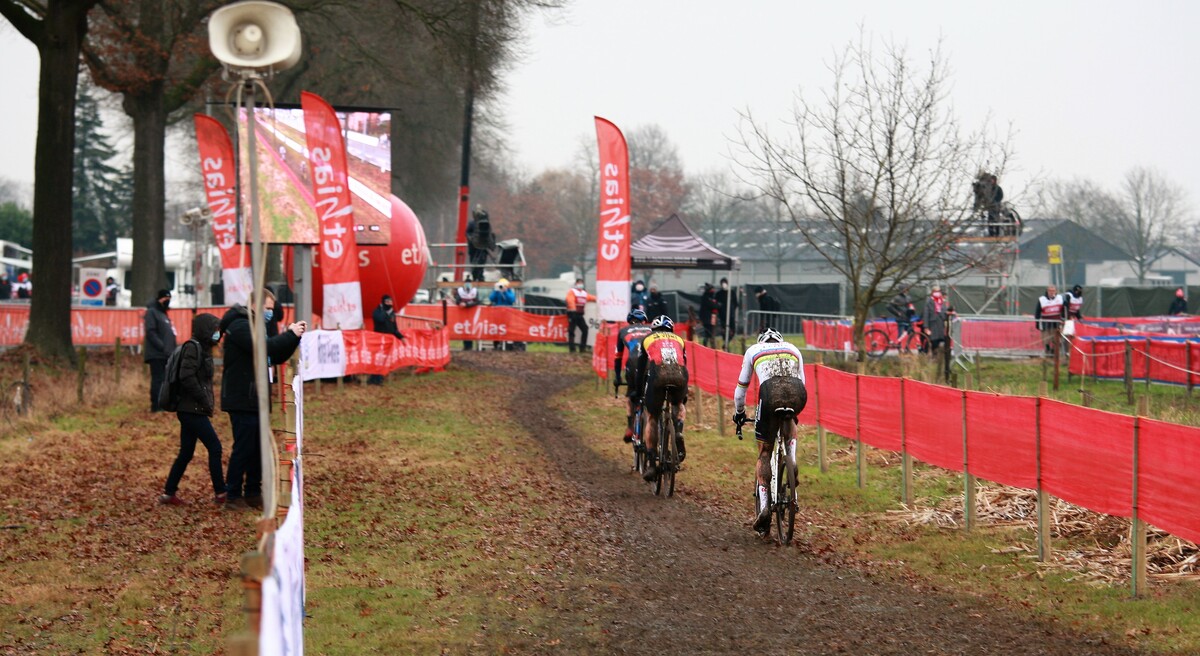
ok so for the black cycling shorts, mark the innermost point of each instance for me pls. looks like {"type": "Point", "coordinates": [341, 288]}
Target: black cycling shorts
{"type": "Point", "coordinates": [777, 392]}
{"type": "Point", "coordinates": [631, 389]}
{"type": "Point", "coordinates": [659, 377]}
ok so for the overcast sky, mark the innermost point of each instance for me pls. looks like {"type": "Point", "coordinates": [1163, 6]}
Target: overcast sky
{"type": "Point", "coordinates": [1090, 88]}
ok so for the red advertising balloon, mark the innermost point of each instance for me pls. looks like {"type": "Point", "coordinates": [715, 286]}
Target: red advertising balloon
{"type": "Point", "coordinates": [396, 269]}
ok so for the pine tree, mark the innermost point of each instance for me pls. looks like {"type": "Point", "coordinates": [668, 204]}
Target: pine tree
{"type": "Point", "coordinates": [100, 202]}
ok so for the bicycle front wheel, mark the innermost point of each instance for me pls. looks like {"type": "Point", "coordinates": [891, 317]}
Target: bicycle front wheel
{"type": "Point", "coordinates": [876, 342]}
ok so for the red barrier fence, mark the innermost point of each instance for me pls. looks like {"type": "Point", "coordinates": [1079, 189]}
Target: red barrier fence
{"type": "Point", "coordinates": [487, 322]}
{"type": "Point", "coordinates": [102, 326]}
{"type": "Point", "coordinates": [1158, 359]}
{"type": "Point", "coordinates": [1089, 457]}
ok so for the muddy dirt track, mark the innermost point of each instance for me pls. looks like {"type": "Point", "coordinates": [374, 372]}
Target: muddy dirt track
{"type": "Point", "coordinates": [685, 581]}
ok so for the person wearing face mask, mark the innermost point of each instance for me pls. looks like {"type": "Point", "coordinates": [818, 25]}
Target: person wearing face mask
{"type": "Point", "coordinates": [466, 296]}
{"type": "Point", "coordinates": [637, 296]}
{"type": "Point", "coordinates": [384, 318]}
{"type": "Point", "coordinates": [727, 304]}
{"type": "Point", "coordinates": [935, 316]}
{"type": "Point", "coordinates": [239, 395]}
{"type": "Point", "coordinates": [577, 298]}
{"type": "Point", "coordinates": [159, 342]}
{"type": "Point", "coordinates": [196, 405]}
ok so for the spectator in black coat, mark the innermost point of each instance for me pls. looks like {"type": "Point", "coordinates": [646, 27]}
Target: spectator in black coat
{"type": "Point", "coordinates": [708, 314]}
{"type": "Point", "coordinates": [159, 342]}
{"type": "Point", "coordinates": [767, 304]}
{"type": "Point", "coordinates": [384, 318]}
{"type": "Point", "coordinates": [656, 303]}
{"type": "Point", "coordinates": [1179, 305]}
{"type": "Point", "coordinates": [728, 306]}
{"type": "Point", "coordinates": [196, 405]}
{"type": "Point", "coordinates": [239, 395]}
{"type": "Point", "coordinates": [5, 287]}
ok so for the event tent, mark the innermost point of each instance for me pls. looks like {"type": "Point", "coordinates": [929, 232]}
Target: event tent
{"type": "Point", "coordinates": [673, 245]}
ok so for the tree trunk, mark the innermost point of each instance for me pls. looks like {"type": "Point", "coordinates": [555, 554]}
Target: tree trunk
{"type": "Point", "coordinates": [149, 192]}
{"type": "Point", "coordinates": [49, 329]}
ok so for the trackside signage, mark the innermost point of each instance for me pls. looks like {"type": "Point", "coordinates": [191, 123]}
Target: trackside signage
{"type": "Point", "coordinates": [217, 167]}
{"type": "Point", "coordinates": [612, 249]}
{"type": "Point", "coordinates": [338, 254]}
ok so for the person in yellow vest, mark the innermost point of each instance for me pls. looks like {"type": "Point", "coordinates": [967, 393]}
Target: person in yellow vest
{"type": "Point", "coordinates": [577, 298]}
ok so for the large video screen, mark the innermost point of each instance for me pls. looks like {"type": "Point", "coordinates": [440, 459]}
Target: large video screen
{"type": "Point", "coordinates": [285, 192]}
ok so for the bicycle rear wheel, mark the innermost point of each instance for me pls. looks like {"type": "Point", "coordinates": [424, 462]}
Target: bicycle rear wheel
{"type": "Point", "coordinates": [666, 452]}
{"type": "Point", "coordinates": [916, 342]}
{"type": "Point", "coordinates": [785, 496]}
{"type": "Point", "coordinates": [876, 342]}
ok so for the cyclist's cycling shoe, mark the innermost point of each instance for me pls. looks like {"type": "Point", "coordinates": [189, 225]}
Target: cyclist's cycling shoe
{"type": "Point", "coordinates": [628, 436]}
{"type": "Point", "coordinates": [679, 443]}
{"type": "Point", "coordinates": [651, 472]}
{"type": "Point", "coordinates": [762, 525]}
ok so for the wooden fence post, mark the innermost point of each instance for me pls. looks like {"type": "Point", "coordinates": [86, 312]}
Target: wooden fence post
{"type": "Point", "coordinates": [1188, 351]}
{"type": "Point", "coordinates": [720, 398]}
{"type": "Point", "coordinates": [82, 374]}
{"type": "Point", "coordinates": [905, 456]}
{"type": "Point", "coordinates": [821, 460]}
{"type": "Point", "coordinates": [859, 456]}
{"type": "Point", "coordinates": [1043, 499]}
{"type": "Point", "coordinates": [1057, 354]}
{"type": "Point", "coordinates": [1147, 364]}
{"type": "Point", "coordinates": [1137, 535]}
{"type": "Point", "coordinates": [117, 360]}
{"type": "Point", "coordinates": [1129, 372]}
{"type": "Point", "coordinates": [968, 477]}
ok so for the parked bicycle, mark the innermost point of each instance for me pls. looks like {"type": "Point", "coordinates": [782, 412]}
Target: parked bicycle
{"type": "Point", "coordinates": [782, 489]}
{"type": "Point", "coordinates": [912, 339]}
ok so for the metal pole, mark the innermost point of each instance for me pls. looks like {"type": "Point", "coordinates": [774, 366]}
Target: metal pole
{"type": "Point", "coordinates": [258, 329]}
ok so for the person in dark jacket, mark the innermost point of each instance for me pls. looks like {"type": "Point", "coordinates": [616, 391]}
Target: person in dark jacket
{"type": "Point", "coordinates": [656, 303]}
{"type": "Point", "coordinates": [196, 406]}
{"type": "Point", "coordinates": [728, 306]}
{"type": "Point", "coordinates": [239, 395]}
{"type": "Point", "coordinates": [5, 287]}
{"type": "Point", "coordinates": [708, 314]}
{"type": "Point", "coordinates": [1179, 305]}
{"type": "Point", "coordinates": [936, 318]}
{"type": "Point", "coordinates": [766, 304]}
{"type": "Point", "coordinates": [384, 318]}
{"type": "Point", "coordinates": [159, 344]}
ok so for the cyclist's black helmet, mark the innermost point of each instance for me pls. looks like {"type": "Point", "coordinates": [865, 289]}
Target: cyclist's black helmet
{"type": "Point", "coordinates": [636, 316]}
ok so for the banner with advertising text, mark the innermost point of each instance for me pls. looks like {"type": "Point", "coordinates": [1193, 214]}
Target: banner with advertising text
{"type": "Point", "coordinates": [501, 324]}
{"type": "Point", "coordinates": [336, 353]}
{"type": "Point", "coordinates": [102, 326]}
{"type": "Point", "coordinates": [338, 253]}
{"type": "Point", "coordinates": [613, 264]}
{"type": "Point", "coordinates": [220, 190]}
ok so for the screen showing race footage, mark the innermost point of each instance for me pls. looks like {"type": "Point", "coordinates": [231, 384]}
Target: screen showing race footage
{"type": "Point", "coordinates": [285, 186]}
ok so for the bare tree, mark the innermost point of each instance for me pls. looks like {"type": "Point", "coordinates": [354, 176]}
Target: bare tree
{"type": "Point", "coordinates": [656, 184]}
{"type": "Point", "coordinates": [1081, 201]}
{"type": "Point", "coordinates": [876, 174]}
{"type": "Point", "coordinates": [716, 206]}
{"type": "Point", "coordinates": [1150, 220]}
{"type": "Point", "coordinates": [57, 28]}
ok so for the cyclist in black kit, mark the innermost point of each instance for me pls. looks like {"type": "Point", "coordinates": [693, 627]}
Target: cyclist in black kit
{"type": "Point", "coordinates": [629, 339]}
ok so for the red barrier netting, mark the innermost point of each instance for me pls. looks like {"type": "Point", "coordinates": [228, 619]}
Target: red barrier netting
{"type": "Point", "coordinates": [933, 424]}
{"type": "Point", "coordinates": [984, 334]}
{"type": "Point", "coordinates": [809, 416]}
{"type": "Point", "coordinates": [879, 421]}
{"type": "Point", "coordinates": [838, 398]}
{"type": "Point", "coordinates": [702, 368]}
{"type": "Point", "coordinates": [1001, 443]}
{"type": "Point", "coordinates": [376, 353]}
{"type": "Point", "coordinates": [1168, 485]}
{"type": "Point", "coordinates": [1087, 457]}
{"type": "Point", "coordinates": [602, 354]}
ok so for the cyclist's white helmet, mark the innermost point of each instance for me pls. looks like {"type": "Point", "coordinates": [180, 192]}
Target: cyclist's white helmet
{"type": "Point", "coordinates": [662, 322]}
{"type": "Point", "coordinates": [769, 335]}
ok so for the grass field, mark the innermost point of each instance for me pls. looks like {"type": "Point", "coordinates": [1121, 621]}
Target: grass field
{"type": "Point", "coordinates": [434, 523]}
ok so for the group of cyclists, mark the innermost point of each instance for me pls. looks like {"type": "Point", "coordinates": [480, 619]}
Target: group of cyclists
{"type": "Point", "coordinates": [653, 360]}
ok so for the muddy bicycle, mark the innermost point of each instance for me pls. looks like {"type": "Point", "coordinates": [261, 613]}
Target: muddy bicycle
{"type": "Point", "coordinates": [912, 339]}
{"type": "Point", "coordinates": [782, 489]}
{"type": "Point", "coordinates": [668, 447]}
